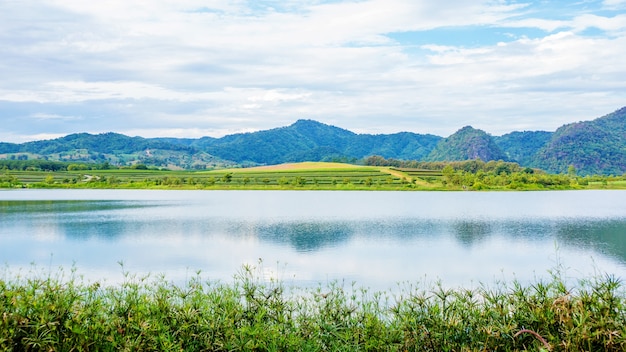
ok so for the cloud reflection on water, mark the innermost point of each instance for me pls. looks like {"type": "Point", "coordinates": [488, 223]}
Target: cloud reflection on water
{"type": "Point", "coordinates": [218, 232]}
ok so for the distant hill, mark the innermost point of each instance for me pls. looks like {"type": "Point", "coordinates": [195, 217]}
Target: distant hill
{"type": "Point", "coordinates": [592, 147]}
{"type": "Point", "coordinates": [114, 148]}
{"type": "Point", "coordinates": [285, 144]}
{"type": "Point", "coordinates": [467, 143]}
{"type": "Point", "coordinates": [308, 140]}
{"type": "Point", "coordinates": [522, 146]}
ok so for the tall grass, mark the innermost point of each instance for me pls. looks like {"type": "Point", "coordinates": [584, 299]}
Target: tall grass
{"type": "Point", "coordinates": [44, 312]}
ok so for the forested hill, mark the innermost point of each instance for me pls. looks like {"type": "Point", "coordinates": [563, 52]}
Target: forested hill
{"type": "Point", "coordinates": [467, 143]}
{"type": "Point", "coordinates": [308, 140]}
{"type": "Point", "coordinates": [593, 147]}
{"type": "Point", "coordinates": [597, 146]}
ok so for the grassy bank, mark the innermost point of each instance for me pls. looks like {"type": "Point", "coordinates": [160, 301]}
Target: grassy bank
{"type": "Point", "coordinates": [54, 313]}
{"type": "Point", "coordinates": [307, 176]}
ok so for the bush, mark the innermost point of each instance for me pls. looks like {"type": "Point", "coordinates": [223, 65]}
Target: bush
{"type": "Point", "coordinates": [45, 312]}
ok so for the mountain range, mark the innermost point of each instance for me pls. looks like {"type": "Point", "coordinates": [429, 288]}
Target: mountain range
{"type": "Point", "coordinates": [593, 147]}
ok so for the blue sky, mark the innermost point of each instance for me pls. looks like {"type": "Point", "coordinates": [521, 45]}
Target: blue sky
{"type": "Point", "coordinates": [192, 68]}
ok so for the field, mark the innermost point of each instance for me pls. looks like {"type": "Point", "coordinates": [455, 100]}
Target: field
{"type": "Point", "coordinates": [284, 176]}
{"type": "Point", "coordinates": [310, 176]}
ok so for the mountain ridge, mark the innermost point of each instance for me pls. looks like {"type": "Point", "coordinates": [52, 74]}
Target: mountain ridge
{"type": "Point", "coordinates": [594, 146]}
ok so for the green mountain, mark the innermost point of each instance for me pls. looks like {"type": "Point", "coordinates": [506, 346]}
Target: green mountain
{"type": "Point", "coordinates": [522, 146]}
{"type": "Point", "coordinates": [467, 143]}
{"type": "Point", "coordinates": [592, 147]}
{"type": "Point", "coordinates": [106, 143]}
{"type": "Point", "coordinates": [280, 145]}
{"type": "Point", "coordinates": [116, 149]}
{"type": "Point", "coordinates": [308, 140]}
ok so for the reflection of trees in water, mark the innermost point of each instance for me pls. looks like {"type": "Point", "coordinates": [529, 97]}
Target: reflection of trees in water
{"type": "Point", "coordinates": [64, 206]}
{"type": "Point", "coordinates": [605, 236]}
{"type": "Point", "coordinates": [470, 232]}
{"type": "Point", "coordinates": [306, 236]}
{"type": "Point", "coordinates": [76, 219]}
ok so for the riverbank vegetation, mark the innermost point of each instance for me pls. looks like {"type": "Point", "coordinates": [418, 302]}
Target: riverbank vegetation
{"type": "Point", "coordinates": [52, 312]}
{"type": "Point", "coordinates": [376, 174]}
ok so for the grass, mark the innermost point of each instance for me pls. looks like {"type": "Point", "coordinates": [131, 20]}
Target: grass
{"type": "Point", "coordinates": [303, 176]}
{"type": "Point", "coordinates": [324, 176]}
{"type": "Point", "coordinates": [45, 312]}
{"type": "Point", "coordinates": [308, 165]}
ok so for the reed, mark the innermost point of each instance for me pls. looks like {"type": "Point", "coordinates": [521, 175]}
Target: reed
{"type": "Point", "coordinates": [57, 312]}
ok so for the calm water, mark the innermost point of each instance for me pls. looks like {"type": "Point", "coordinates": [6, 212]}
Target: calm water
{"type": "Point", "coordinates": [374, 238]}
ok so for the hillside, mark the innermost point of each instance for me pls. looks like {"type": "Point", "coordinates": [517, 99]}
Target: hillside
{"type": "Point", "coordinates": [297, 142]}
{"type": "Point", "coordinates": [113, 148]}
{"type": "Point", "coordinates": [522, 146]}
{"type": "Point", "coordinates": [592, 147]}
{"type": "Point", "coordinates": [467, 143]}
{"type": "Point", "coordinates": [308, 140]}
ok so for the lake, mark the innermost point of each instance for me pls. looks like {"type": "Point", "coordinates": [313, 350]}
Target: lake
{"type": "Point", "coordinates": [306, 238]}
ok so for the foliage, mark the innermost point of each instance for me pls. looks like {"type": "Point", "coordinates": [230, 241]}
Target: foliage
{"type": "Point", "coordinates": [33, 165]}
{"type": "Point", "coordinates": [592, 147]}
{"type": "Point", "coordinates": [45, 311]}
{"type": "Point", "coordinates": [460, 175]}
{"type": "Point", "coordinates": [467, 144]}
{"type": "Point", "coordinates": [522, 146]}
{"type": "Point", "coordinates": [304, 140]}
{"type": "Point", "coordinates": [114, 149]}
{"type": "Point", "coordinates": [308, 140]}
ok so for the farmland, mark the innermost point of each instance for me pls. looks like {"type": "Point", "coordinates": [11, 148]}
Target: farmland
{"type": "Point", "coordinates": [284, 176]}
{"type": "Point", "coordinates": [313, 176]}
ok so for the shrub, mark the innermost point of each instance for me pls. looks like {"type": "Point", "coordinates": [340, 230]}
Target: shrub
{"type": "Point", "coordinates": [41, 311]}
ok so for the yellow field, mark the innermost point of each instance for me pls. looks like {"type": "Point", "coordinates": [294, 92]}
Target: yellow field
{"type": "Point", "coordinates": [308, 165]}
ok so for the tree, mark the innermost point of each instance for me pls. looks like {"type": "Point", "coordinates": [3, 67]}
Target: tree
{"type": "Point", "coordinates": [227, 177]}
{"type": "Point", "coordinates": [77, 167]}
{"type": "Point", "coordinates": [49, 179]}
{"type": "Point", "coordinates": [571, 171]}
{"type": "Point", "coordinates": [300, 181]}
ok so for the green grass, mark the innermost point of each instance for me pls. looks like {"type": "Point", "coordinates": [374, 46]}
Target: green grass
{"type": "Point", "coordinates": [303, 176]}
{"type": "Point", "coordinates": [307, 176]}
{"type": "Point", "coordinates": [50, 312]}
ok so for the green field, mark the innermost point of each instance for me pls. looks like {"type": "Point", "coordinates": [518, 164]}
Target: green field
{"type": "Point", "coordinates": [309, 176]}
{"type": "Point", "coordinates": [304, 176]}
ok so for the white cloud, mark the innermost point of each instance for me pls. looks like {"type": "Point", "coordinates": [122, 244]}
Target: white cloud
{"type": "Point", "coordinates": [614, 4]}
{"type": "Point", "coordinates": [238, 65]}
{"type": "Point", "coordinates": [78, 91]}
{"type": "Point", "coordinates": [23, 138]}
{"type": "Point", "coordinates": [614, 24]}
{"type": "Point", "coordinates": [46, 116]}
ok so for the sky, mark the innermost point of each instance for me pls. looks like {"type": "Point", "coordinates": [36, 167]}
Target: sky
{"type": "Point", "coordinates": [193, 68]}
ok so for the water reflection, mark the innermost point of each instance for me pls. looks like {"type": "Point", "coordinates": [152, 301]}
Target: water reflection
{"type": "Point", "coordinates": [16, 207]}
{"type": "Point", "coordinates": [306, 236]}
{"type": "Point", "coordinates": [470, 232]}
{"type": "Point", "coordinates": [608, 236]}
{"type": "Point", "coordinates": [115, 221]}
{"type": "Point", "coordinates": [374, 238]}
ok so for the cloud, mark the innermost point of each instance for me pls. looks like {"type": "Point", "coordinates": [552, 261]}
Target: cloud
{"type": "Point", "coordinates": [78, 91]}
{"type": "Point", "coordinates": [242, 65]}
{"type": "Point", "coordinates": [614, 4]}
{"type": "Point", "coordinates": [613, 25]}
{"type": "Point", "coordinates": [45, 116]}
